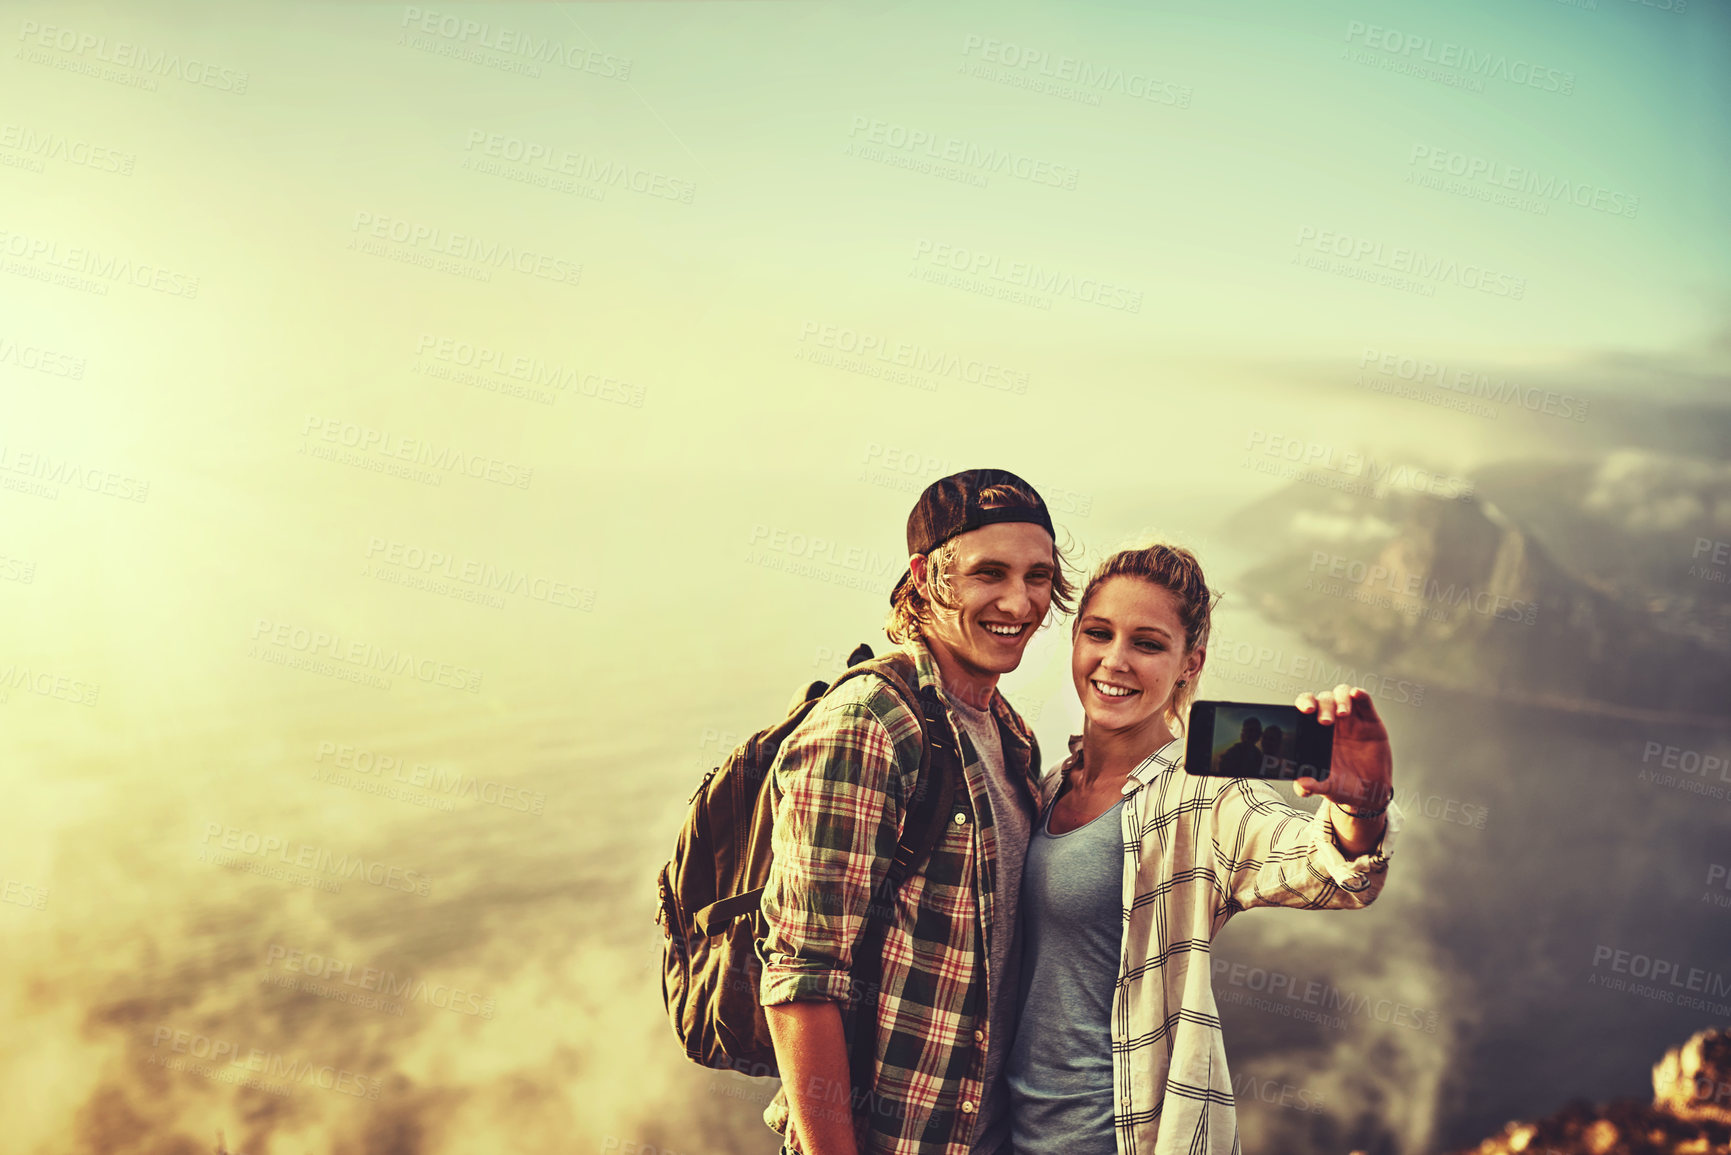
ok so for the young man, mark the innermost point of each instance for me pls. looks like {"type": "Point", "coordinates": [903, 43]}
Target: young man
{"type": "Point", "coordinates": [983, 573]}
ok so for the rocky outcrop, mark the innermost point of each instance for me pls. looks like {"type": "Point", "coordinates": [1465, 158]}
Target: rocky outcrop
{"type": "Point", "coordinates": [1690, 1113]}
{"type": "Point", "coordinates": [1456, 594]}
{"type": "Point", "coordinates": [1694, 1081]}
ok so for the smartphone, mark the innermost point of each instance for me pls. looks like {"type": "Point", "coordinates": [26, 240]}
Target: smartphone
{"type": "Point", "coordinates": [1257, 740]}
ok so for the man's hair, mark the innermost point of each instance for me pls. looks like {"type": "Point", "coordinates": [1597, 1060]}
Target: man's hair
{"type": "Point", "coordinates": [910, 610]}
{"type": "Point", "coordinates": [1177, 571]}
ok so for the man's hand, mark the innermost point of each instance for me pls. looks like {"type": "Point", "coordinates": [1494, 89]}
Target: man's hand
{"type": "Point", "coordinates": [1361, 770]}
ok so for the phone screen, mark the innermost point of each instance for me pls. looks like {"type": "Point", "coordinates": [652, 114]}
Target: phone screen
{"type": "Point", "coordinates": [1257, 740]}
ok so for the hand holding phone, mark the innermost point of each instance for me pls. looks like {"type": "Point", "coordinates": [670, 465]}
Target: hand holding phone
{"type": "Point", "coordinates": [1257, 740]}
{"type": "Point", "coordinates": [1362, 775]}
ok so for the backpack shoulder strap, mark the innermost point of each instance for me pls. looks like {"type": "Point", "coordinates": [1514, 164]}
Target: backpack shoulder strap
{"type": "Point", "coordinates": [923, 822]}
{"type": "Point", "coordinates": [940, 764]}
{"type": "Point", "coordinates": [922, 827]}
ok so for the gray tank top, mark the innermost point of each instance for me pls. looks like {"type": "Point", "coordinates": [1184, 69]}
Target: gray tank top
{"type": "Point", "coordinates": [1060, 1072]}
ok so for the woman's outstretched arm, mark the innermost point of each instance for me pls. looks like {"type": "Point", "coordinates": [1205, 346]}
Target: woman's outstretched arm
{"type": "Point", "coordinates": [1268, 852]}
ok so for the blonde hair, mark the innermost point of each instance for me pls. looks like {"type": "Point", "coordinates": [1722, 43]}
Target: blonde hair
{"type": "Point", "coordinates": [1176, 570]}
{"type": "Point", "coordinates": [910, 610]}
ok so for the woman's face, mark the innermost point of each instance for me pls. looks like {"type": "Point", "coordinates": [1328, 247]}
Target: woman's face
{"type": "Point", "coordinates": [1128, 654]}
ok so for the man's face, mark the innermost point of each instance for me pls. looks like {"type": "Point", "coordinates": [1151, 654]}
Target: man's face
{"type": "Point", "coordinates": [1002, 587]}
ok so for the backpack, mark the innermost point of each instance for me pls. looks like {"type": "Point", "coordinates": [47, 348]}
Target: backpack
{"type": "Point", "coordinates": [709, 891]}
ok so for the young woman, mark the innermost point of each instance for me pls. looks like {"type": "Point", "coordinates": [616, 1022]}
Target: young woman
{"type": "Point", "coordinates": [1135, 866]}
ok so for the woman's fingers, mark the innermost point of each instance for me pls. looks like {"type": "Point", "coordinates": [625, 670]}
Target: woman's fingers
{"type": "Point", "coordinates": [1365, 708]}
{"type": "Point", "coordinates": [1362, 763]}
{"type": "Point", "coordinates": [1330, 704]}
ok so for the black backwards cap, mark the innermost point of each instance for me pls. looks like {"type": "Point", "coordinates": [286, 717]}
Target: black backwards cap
{"type": "Point", "coordinates": [967, 500]}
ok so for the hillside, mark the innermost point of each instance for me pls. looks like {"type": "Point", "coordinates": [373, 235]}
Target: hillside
{"type": "Point", "coordinates": [1461, 594]}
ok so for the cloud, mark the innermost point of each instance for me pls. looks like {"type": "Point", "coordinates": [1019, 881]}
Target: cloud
{"type": "Point", "coordinates": [1643, 491]}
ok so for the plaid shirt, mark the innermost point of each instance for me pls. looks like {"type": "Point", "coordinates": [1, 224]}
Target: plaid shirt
{"type": "Point", "coordinates": [1198, 850]}
{"type": "Point", "coordinates": [839, 782]}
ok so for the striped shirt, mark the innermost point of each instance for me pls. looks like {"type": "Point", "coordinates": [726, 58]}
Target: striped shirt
{"type": "Point", "coordinates": [840, 787]}
{"type": "Point", "coordinates": [1198, 850]}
